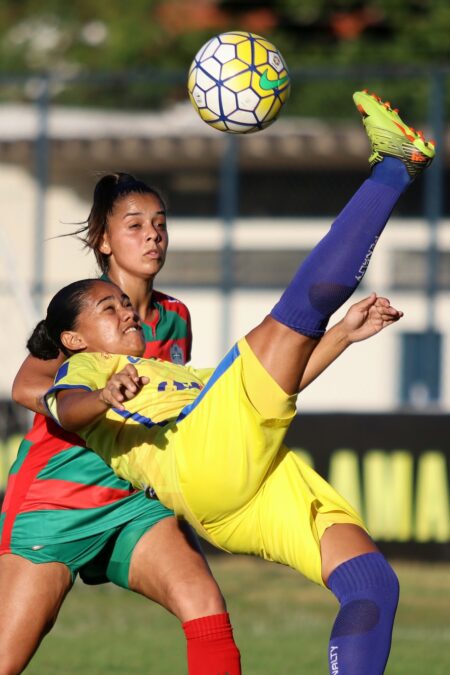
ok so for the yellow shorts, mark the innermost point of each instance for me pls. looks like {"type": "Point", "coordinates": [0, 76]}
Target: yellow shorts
{"type": "Point", "coordinates": [237, 483]}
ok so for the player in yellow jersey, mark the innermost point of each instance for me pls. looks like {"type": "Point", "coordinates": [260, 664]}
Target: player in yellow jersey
{"type": "Point", "coordinates": [226, 472]}
{"type": "Point", "coordinates": [210, 443]}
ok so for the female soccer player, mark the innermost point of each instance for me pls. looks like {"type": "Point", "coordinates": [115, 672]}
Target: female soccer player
{"type": "Point", "coordinates": [210, 443]}
{"type": "Point", "coordinates": [66, 512]}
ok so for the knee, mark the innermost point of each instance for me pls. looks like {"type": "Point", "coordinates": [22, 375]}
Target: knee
{"type": "Point", "coordinates": [367, 576]}
{"type": "Point", "coordinates": [390, 587]}
{"type": "Point", "coordinates": [186, 593]}
{"type": "Point", "coordinates": [195, 597]}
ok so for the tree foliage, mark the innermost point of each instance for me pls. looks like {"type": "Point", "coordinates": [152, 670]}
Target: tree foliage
{"type": "Point", "coordinates": [94, 36]}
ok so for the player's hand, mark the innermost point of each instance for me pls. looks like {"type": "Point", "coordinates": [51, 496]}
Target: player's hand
{"type": "Point", "coordinates": [122, 386]}
{"type": "Point", "coordinates": [368, 317]}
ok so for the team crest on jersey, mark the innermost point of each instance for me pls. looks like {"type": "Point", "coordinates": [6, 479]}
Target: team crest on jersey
{"type": "Point", "coordinates": [176, 354]}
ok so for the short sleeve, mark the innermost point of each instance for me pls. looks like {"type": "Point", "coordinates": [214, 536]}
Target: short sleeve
{"type": "Point", "coordinates": [78, 372]}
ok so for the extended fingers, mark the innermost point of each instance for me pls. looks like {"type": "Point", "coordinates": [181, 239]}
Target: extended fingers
{"type": "Point", "coordinates": [386, 311]}
{"type": "Point", "coordinates": [112, 396]}
{"type": "Point", "coordinates": [118, 389]}
{"type": "Point", "coordinates": [123, 386]}
{"type": "Point", "coordinates": [136, 381]}
{"type": "Point", "coordinates": [392, 316]}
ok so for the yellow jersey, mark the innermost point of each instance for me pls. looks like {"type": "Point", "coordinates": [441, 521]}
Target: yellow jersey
{"type": "Point", "coordinates": [172, 388]}
{"type": "Point", "coordinates": [210, 442]}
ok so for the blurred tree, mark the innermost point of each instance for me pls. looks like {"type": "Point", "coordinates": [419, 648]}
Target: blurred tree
{"type": "Point", "coordinates": [90, 36]}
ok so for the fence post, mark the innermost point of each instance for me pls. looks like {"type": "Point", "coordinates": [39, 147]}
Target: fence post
{"type": "Point", "coordinates": [433, 214]}
{"type": "Point", "coordinates": [41, 173]}
{"type": "Point", "coordinates": [228, 206]}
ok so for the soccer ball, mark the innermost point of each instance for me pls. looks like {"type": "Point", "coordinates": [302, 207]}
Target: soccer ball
{"type": "Point", "coordinates": [238, 82]}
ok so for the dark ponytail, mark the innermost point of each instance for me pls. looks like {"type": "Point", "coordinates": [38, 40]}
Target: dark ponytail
{"type": "Point", "coordinates": [108, 190]}
{"type": "Point", "coordinates": [41, 345]}
{"type": "Point", "coordinates": [62, 314]}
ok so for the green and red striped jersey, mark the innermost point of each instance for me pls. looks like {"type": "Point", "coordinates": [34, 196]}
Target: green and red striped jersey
{"type": "Point", "coordinates": [169, 335]}
{"type": "Point", "coordinates": [58, 490]}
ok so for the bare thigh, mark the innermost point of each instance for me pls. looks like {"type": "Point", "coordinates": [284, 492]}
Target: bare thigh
{"type": "Point", "coordinates": [340, 543]}
{"type": "Point", "coordinates": [30, 598]}
{"type": "Point", "coordinates": [283, 352]}
{"type": "Point", "coordinates": [168, 566]}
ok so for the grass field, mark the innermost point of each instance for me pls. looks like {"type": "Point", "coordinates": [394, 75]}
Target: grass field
{"type": "Point", "coordinates": [281, 625]}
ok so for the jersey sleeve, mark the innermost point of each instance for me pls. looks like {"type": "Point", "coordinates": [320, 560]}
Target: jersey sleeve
{"type": "Point", "coordinates": [188, 336]}
{"type": "Point", "coordinates": [78, 372]}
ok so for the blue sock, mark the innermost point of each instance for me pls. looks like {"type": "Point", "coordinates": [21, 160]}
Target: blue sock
{"type": "Point", "coordinates": [367, 589]}
{"type": "Point", "coordinates": [391, 172]}
{"type": "Point", "coordinates": [335, 267]}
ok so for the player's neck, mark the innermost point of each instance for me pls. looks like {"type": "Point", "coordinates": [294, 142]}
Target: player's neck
{"type": "Point", "coordinates": [138, 290]}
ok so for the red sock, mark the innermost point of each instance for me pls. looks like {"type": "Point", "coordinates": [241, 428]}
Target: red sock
{"type": "Point", "coordinates": [211, 649]}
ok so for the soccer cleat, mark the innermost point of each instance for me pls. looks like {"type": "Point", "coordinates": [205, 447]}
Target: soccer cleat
{"type": "Point", "coordinates": [390, 137]}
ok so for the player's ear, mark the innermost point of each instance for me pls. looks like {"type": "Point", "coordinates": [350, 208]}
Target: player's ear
{"type": "Point", "coordinates": [105, 246]}
{"type": "Point", "coordinates": [72, 341]}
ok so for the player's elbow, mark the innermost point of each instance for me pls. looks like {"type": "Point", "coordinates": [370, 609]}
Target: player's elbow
{"type": "Point", "coordinates": [20, 393]}
{"type": "Point", "coordinates": [72, 428]}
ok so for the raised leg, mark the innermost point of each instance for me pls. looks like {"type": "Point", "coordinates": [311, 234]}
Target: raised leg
{"type": "Point", "coordinates": [335, 267]}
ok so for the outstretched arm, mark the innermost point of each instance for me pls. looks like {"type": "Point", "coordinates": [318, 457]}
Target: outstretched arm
{"type": "Point", "coordinates": [363, 320]}
{"type": "Point", "coordinates": [78, 408]}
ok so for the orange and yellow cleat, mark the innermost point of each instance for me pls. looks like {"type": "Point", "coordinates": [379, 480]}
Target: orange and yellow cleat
{"type": "Point", "coordinates": [390, 137]}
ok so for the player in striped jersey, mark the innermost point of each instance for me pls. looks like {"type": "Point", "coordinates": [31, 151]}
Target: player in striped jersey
{"type": "Point", "coordinates": [65, 512]}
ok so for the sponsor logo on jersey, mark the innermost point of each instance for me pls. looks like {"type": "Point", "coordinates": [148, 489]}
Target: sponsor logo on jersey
{"type": "Point", "coordinates": [173, 385]}
{"type": "Point", "coordinates": [176, 354]}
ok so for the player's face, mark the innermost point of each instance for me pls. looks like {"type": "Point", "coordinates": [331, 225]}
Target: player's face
{"type": "Point", "coordinates": [107, 323]}
{"type": "Point", "coordinates": [136, 238]}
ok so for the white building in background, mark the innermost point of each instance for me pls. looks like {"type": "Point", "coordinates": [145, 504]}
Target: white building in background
{"type": "Point", "coordinates": [366, 378]}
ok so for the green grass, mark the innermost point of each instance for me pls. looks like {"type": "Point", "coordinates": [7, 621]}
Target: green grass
{"type": "Point", "coordinates": [281, 625]}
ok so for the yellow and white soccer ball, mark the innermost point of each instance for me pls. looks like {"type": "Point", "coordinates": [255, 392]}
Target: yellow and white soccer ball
{"type": "Point", "coordinates": [238, 82]}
